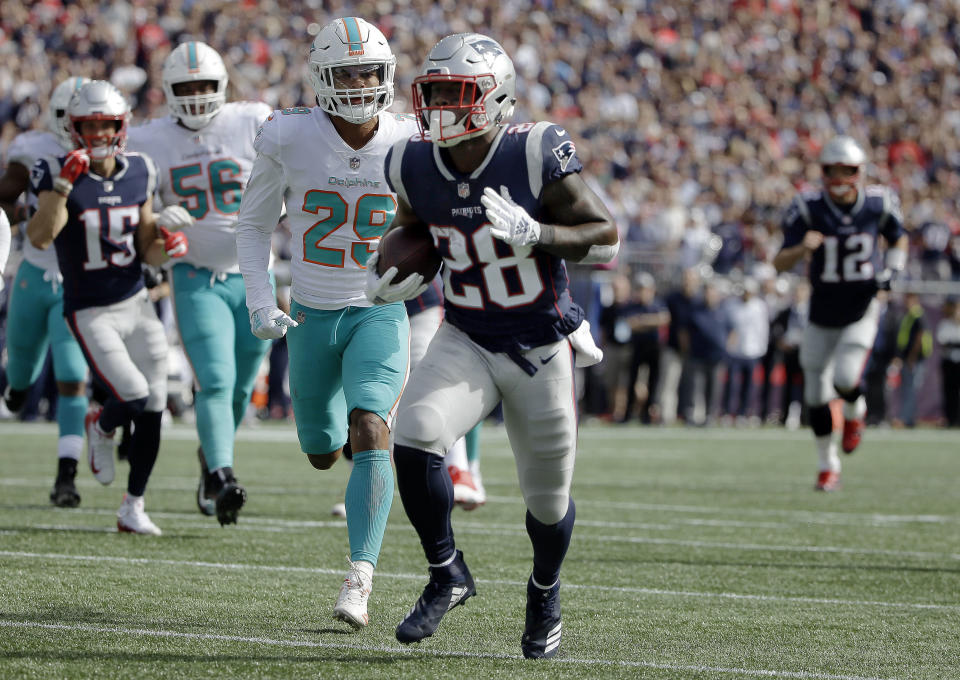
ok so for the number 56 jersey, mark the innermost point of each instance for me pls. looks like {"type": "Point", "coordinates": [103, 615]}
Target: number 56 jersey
{"type": "Point", "coordinates": [205, 171]}
{"type": "Point", "coordinates": [338, 202]}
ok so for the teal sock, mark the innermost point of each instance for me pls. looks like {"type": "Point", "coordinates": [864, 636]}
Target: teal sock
{"type": "Point", "coordinates": [70, 414]}
{"type": "Point", "coordinates": [472, 440]}
{"type": "Point", "coordinates": [368, 500]}
{"type": "Point", "coordinates": [215, 427]}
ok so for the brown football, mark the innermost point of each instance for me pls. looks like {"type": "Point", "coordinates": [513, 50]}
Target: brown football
{"type": "Point", "coordinates": [410, 251]}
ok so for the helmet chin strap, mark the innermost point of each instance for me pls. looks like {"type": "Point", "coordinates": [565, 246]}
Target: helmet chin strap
{"type": "Point", "coordinates": [838, 193]}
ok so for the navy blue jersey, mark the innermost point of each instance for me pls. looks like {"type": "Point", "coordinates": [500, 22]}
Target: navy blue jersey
{"type": "Point", "coordinates": [96, 249]}
{"type": "Point", "coordinates": [506, 298]}
{"type": "Point", "coordinates": [843, 270]}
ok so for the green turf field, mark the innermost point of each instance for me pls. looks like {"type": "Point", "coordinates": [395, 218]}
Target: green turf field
{"type": "Point", "coordinates": [697, 554]}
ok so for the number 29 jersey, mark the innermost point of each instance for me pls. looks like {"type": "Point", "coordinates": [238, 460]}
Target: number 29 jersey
{"type": "Point", "coordinates": [843, 270]}
{"type": "Point", "coordinates": [97, 247]}
{"type": "Point", "coordinates": [338, 202]}
{"type": "Point", "coordinates": [506, 298]}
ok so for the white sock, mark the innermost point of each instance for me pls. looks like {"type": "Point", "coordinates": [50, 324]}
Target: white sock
{"type": "Point", "coordinates": [457, 456]}
{"type": "Point", "coordinates": [70, 446]}
{"type": "Point", "coordinates": [827, 452]}
{"type": "Point", "coordinates": [365, 569]}
{"type": "Point", "coordinates": [856, 410]}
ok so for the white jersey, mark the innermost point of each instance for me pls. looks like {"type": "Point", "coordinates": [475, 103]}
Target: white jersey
{"type": "Point", "coordinates": [338, 202]}
{"type": "Point", "coordinates": [26, 149]}
{"type": "Point", "coordinates": [205, 171]}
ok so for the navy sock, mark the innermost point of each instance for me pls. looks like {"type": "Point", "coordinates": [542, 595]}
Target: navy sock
{"type": "Point", "coordinates": [115, 412]}
{"type": "Point", "coordinates": [144, 446]}
{"type": "Point", "coordinates": [821, 420]}
{"type": "Point", "coordinates": [550, 543]}
{"type": "Point", "coordinates": [427, 495]}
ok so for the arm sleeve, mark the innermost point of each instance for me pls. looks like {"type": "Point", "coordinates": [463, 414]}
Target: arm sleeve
{"type": "Point", "coordinates": [794, 225]}
{"type": "Point", "coordinates": [260, 210]}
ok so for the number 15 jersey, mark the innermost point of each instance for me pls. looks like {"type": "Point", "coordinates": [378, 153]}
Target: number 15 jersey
{"type": "Point", "coordinates": [338, 202]}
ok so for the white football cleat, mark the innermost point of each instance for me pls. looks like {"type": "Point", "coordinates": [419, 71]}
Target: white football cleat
{"type": "Point", "coordinates": [339, 510]}
{"type": "Point", "coordinates": [351, 606]}
{"type": "Point", "coordinates": [466, 493]}
{"type": "Point", "coordinates": [132, 519]}
{"type": "Point", "coordinates": [99, 448]}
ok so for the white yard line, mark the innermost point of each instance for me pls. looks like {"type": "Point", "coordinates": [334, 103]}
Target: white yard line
{"type": "Point", "coordinates": [142, 632]}
{"type": "Point", "coordinates": [233, 566]}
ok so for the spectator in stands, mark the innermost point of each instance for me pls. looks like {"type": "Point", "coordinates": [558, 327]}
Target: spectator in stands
{"type": "Point", "coordinates": [675, 391]}
{"type": "Point", "coordinates": [646, 317]}
{"type": "Point", "coordinates": [948, 338]}
{"type": "Point", "coordinates": [914, 345]}
{"type": "Point", "coordinates": [749, 332]}
{"type": "Point", "coordinates": [709, 329]}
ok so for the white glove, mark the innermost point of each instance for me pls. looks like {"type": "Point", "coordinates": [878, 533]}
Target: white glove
{"type": "Point", "coordinates": [586, 352]}
{"type": "Point", "coordinates": [381, 290]}
{"type": "Point", "coordinates": [508, 221]}
{"type": "Point", "coordinates": [270, 323]}
{"type": "Point", "coordinates": [174, 218]}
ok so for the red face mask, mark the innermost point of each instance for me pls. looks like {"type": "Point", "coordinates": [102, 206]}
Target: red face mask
{"type": "Point", "coordinates": [842, 182]}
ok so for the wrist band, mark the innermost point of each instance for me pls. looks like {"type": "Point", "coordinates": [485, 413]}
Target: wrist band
{"type": "Point", "coordinates": [62, 186]}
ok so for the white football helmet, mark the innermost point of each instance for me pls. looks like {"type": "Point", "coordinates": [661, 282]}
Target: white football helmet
{"type": "Point", "coordinates": [99, 100]}
{"type": "Point", "coordinates": [351, 41]}
{"type": "Point", "coordinates": [487, 93]}
{"type": "Point", "coordinates": [188, 63]}
{"type": "Point", "coordinates": [57, 122]}
{"type": "Point", "coordinates": [844, 151]}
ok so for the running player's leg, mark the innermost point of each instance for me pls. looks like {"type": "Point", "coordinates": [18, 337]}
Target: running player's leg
{"type": "Point", "coordinates": [70, 370]}
{"type": "Point", "coordinates": [27, 341]}
{"type": "Point", "coordinates": [817, 357]}
{"type": "Point", "coordinates": [540, 414]}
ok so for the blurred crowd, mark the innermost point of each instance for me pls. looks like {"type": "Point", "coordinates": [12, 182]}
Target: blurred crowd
{"type": "Point", "coordinates": [697, 121]}
{"type": "Point", "coordinates": [721, 350]}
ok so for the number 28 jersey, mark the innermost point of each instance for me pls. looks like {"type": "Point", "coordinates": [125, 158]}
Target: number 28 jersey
{"type": "Point", "coordinates": [97, 247]}
{"type": "Point", "coordinates": [506, 298]}
{"type": "Point", "coordinates": [338, 202]}
{"type": "Point", "coordinates": [843, 270]}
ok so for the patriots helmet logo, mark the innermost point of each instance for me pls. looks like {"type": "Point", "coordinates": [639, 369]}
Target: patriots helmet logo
{"type": "Point", "coordinates": [564, 153]}
{"type": "Point", "coordinates": [487, 49]}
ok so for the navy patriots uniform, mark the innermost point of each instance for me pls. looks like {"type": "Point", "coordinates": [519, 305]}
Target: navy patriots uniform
{"type": "Point", "coordinates": [843, 270]}
{"type": "Point", "coordinates": [506, 298]}
{"type": "Point", "coordinates": [431, 297]}
{"type": "Point", "coordinates": [96, 250]}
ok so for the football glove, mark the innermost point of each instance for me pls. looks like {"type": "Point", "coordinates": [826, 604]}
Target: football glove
{"type": "Point", "coordinates": [508, 221]}
{"type": "Point", "coordinates": [174, 218]}
{"type": "Point", "coordinates": [381, 290]}
{"type": "Point", "coordinates": [175, 243]}
{"type": "Point", "coordinates": [76, 163]}
{"type": "Point", "coordinates": [586, 352]}
{"type": "Point", "coordinates": [270, 323]}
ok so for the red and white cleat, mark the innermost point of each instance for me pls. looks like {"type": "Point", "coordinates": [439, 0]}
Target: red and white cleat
{"type": "Point", "coordinates": [466, 492]}
{"type": "Point", "coordinates": [852, 434]}
{"type": "Point", "coordinates": [828, 480]}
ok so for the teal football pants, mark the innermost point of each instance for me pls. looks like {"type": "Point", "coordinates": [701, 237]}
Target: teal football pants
{"type": "Point", "coordinates": [214, 327]}
{"type": "Point", "coordinates": [34, 324]}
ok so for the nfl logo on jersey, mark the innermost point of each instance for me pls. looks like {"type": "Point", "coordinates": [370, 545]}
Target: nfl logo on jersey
{"type": "Point", "coordinates": [354, 162]}
{"type": "Point", "coordinates": [463, 189]}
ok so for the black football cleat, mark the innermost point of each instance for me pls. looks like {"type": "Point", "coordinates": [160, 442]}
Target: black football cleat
{"type": "Point", "coordinates": [541, 633]}
{"type": "Point", "coordinates": [64, 493]}
{"type": "Point", "coordinates": [14, 399]}
{"type": "Point", "coordinates": [449, 586]}
{"type": "Point", "coordinates": [230, 496]}
{"type": "Point", "coordinates": [206, 497]}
